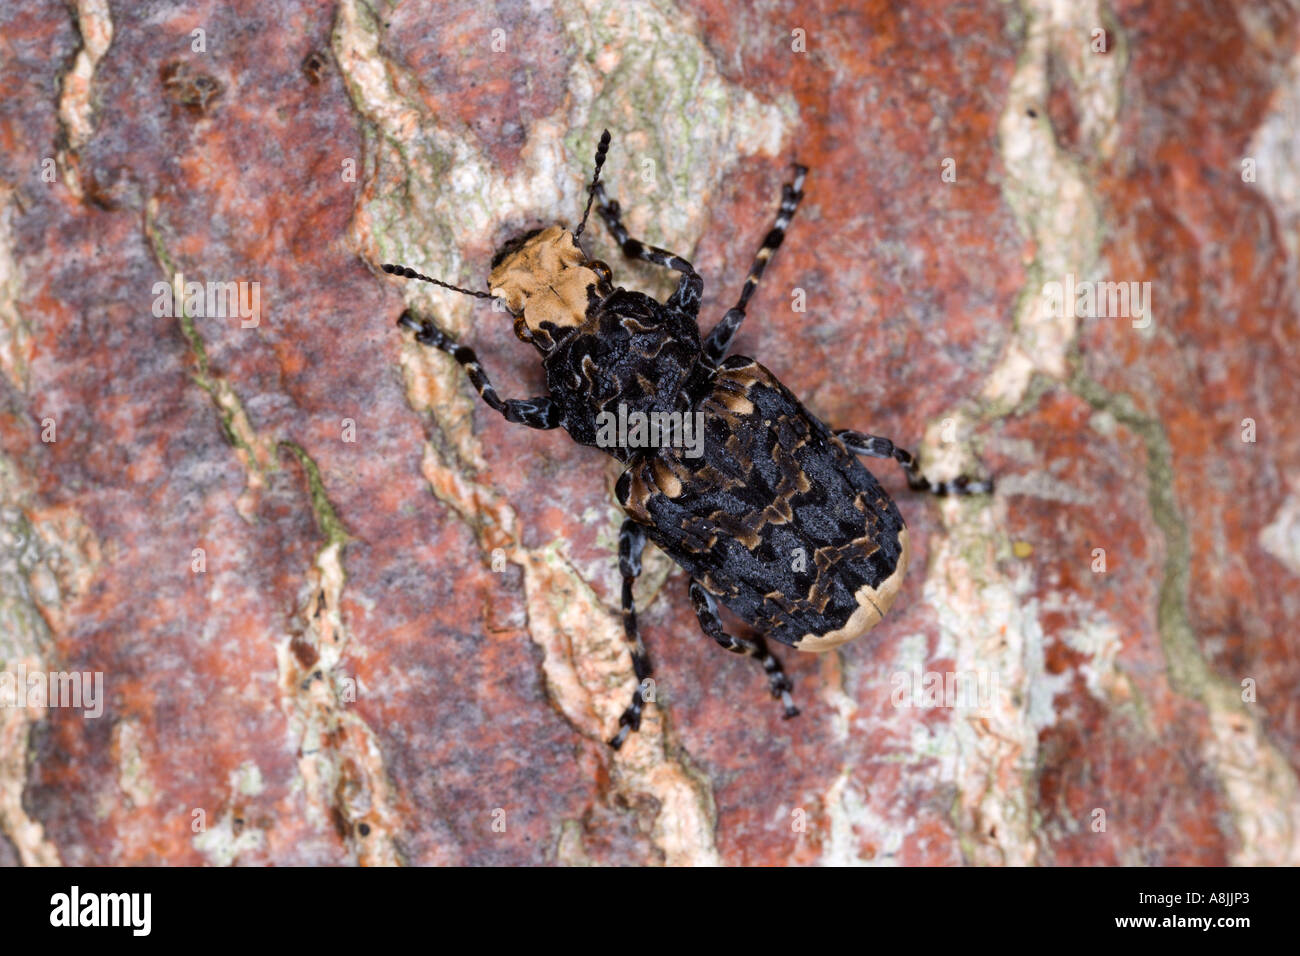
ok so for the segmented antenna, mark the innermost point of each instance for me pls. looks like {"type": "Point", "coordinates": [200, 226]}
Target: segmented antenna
{"type": "Point", "coordinates": [406, 273]}
{"type": "Point", "coordinates": [601, 149]}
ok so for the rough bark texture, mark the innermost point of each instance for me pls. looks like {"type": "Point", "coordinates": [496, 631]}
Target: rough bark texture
{"type": "Point", "coordinates": [349, 677]}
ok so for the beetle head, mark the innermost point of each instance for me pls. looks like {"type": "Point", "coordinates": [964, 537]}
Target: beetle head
{"type": "Point", "coordinates": [545, 279]}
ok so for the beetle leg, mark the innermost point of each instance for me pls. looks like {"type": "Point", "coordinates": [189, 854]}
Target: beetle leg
{"type": "Point", "coordinates": [631, 541]}
{"type": "Point", "coordinates": [873, 446]}
{"type": "Point", "coordinates": [538, 412]}
{"type": "Point", "coordinates": [706, 609]}
{"type": "Point", "coordinates": [686, 297]}
{"type": "Point", "coordinates": [719, 340]}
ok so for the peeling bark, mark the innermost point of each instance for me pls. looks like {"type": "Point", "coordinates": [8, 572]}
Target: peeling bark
{"type": "Point", "coordinates": [347, 615]}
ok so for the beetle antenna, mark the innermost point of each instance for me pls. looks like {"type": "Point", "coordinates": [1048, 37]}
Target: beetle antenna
{"type": "Point", "coordinates": [407, 273]}
{"type": "Point", "coordinates": [601, 149]}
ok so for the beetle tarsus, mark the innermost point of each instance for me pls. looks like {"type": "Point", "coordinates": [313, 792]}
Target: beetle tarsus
{"type": "Point", "coordinates": [874, 446]}
{"type": "Point", "coordinates": [780, 685]}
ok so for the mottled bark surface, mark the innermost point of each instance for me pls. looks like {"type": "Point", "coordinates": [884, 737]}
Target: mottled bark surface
{"type": "Point", "coordinates": [400, 643]}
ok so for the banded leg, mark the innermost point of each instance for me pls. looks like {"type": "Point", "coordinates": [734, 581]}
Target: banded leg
{"type": "Point", "coordinates": [706, 609]}
{"type": "Point", "coordinates": [873, 446]}
{"type": "Point", "coordinates": [719, 339]}
{"type": "Point", "coordinates": [538, 412]}
{"type": "Point", "coordinates": [631, 541]}
{"type": "Point", "coordinates": [686, 297]}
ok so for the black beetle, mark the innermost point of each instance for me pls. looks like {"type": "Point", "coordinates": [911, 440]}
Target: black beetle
{"type": "Point", "coordinates": [766, 507]}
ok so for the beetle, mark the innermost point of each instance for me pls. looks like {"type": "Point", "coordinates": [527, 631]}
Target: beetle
{"type": "Point", "coordinates": [769, 511]}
